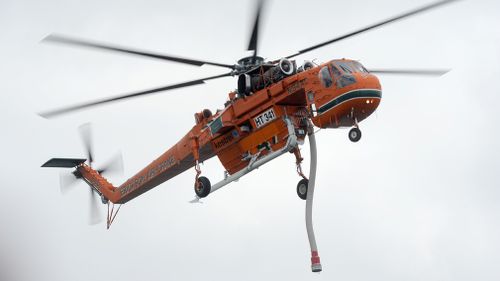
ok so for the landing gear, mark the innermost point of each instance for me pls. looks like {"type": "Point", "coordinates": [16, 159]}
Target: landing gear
{"type": "Point", "coordinates": [202, 187]}
{"type": "Point", "coordinates": [304, 182]}
{"type": "Point", "coordinates": [302, 188]}
{"type": "Point", "coordinates": [355, 134]}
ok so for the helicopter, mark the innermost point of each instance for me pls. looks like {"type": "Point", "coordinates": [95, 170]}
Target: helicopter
{"type": "Point", "coordinates": [276, 105]}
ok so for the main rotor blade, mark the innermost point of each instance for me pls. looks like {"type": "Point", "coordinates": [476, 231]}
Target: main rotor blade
{"type": "Point", "coordinates": [52, 113]}
{"type": "Point", "coordinates": [424, 72]}
{"type": "Point", "coordinates": [402, 16]}
{"type": "Point", "coordinates": [96, 45]}
{"type": "Point", "coordinates": [254, 38]}
{"type": "Point", "coordinates": [86, 134]}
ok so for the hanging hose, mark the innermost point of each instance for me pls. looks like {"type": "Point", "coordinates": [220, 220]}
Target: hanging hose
{"type": "Point", "coordinates": [315, 262]}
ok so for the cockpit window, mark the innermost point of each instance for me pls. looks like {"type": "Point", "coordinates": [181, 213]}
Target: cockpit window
{"type": "Point", "coordinates": [342, 74]}
{"type": "Point", "coordinates": [345, 67]}
{"type": "Point", "coordinates": [336, 72]}
{"type": "Point", "coordinates": [359, 67]}
{"type": "Point", "coordinates": [346, 80]}
{"type": "Point", "coordinates": [325, 78]}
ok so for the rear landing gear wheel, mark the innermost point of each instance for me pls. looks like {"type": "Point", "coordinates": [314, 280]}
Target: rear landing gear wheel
{"type": "Point", "coordinates": [355, 134]}
{"type": "Point", "coordinates": [302, 188]}
{"type": "Point", "coordinates": [202, 187]}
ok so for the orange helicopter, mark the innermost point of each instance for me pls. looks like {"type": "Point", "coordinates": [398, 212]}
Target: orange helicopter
{"type": "Point", "coordinates": [276, 105]}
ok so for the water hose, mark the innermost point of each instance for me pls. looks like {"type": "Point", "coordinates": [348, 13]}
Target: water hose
{"type": "Point", "coordinates": [315, 261]}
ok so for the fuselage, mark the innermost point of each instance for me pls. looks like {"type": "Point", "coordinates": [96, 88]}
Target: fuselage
{"type": "Point", "coordinates": [339, 93]}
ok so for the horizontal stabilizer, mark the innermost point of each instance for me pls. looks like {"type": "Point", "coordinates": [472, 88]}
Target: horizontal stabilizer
{"type": "Point", "coordinates": [63, 162]}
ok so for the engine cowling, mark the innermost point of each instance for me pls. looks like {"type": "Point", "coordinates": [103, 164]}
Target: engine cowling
{"type": "Point", "coordinates": [306, 66]}
{"type": "Point", "coordinates": [286, 66]}
{"type": "Point", "coordinates": [244, 84]}
{"type": "Point", "coordinates": [251, 83]}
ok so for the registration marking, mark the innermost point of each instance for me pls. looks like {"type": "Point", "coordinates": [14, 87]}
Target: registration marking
{"type": "Point", "coordinates": [264, 118]}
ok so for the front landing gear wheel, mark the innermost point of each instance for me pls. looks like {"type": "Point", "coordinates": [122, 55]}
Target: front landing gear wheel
{"type": "Point", "coordinates": [355, 134]}
{"type": "Point", "coordinates": [302, 188]}
{"type": "Point", "coordinates": [202, 187]}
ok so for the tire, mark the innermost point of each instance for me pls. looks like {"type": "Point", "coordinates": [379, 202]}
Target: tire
{"type": "Point", "coordinates": [354, 134]}
{"type": "Point", "coordinates": [202, 189]}
{"type": "Point", "coordinates": [302, 188]}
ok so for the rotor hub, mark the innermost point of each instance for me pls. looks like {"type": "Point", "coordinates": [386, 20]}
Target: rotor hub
{"type": "Point", "coordinates": [250, 61]}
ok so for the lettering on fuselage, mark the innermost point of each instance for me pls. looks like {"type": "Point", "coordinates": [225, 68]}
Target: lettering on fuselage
{"type": "Point", "coordinates": [160, 168]}
{"type": "Point", "coordinates": [225, 140]}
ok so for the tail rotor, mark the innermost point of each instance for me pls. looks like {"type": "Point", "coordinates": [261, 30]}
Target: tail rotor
{"type": "Point", "coordinates": [68, 180]}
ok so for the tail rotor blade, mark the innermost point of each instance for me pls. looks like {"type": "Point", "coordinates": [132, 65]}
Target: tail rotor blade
{"type": "Point", "coordinates": [66, 181]}
{"type": "Point", "coordinates": [114, 166]}
{"type": "Point", "coordinates": [86, 135]}
{"type": "Point", "coordinates": [94, 213]}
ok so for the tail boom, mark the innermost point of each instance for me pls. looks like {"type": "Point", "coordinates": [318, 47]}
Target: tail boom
{"type": "Point", "coordinates": [179, 158]}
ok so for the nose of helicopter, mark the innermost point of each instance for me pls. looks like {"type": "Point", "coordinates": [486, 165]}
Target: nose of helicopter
{"type": "Point", "coordinates": [351, 98]}
{"type": "Point", "coordinates": [370, 83]}
{"type": "Point", "coordinates": [369, 93]}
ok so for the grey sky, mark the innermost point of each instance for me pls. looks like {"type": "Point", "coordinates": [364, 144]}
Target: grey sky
{"type": "Point", "coordinates": [416, 199]}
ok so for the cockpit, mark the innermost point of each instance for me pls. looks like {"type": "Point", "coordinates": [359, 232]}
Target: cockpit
{"type": "Point", "coordinates": [341, 73]}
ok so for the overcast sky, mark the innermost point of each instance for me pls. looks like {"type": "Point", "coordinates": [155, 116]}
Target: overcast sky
{"type": "Point", "coordinates": [416, 199]}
